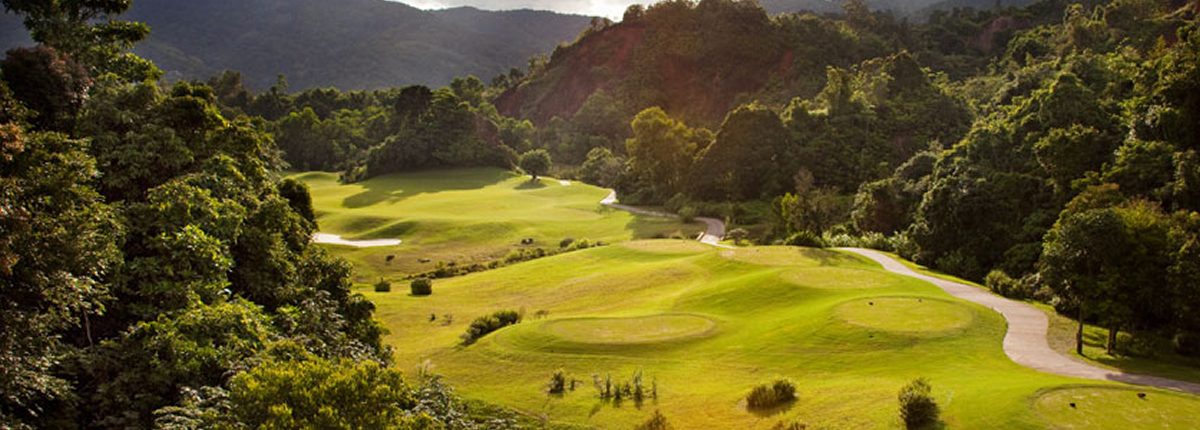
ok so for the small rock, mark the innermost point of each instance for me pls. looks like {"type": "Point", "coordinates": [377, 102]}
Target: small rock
{"type": "Point", "coordinates": [1142, 396]}
{"type": "Point", "coordinates": [1072, 405]}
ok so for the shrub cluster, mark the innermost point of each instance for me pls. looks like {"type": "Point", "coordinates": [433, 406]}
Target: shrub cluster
{"type": "Point", "coordinates": [917, 407]}
{"type": "Point", "coordinates": [617, 391]}
{"type": "Point", "coordinates": [486, 324]}
{"type": "Point", "coordinates": [804, 238]}
{"type": "Point", "coordinates": [1026, 287]}
{"type": "Point", "coordinates": [383, 286]}
{"type": "Point", "coordinates": [738, 235]}
{"type": "Point", "coordinates": [656, 422]}
{"type": "Point", "coordinates": [421, 287]}
{"type": "Point", "coordinates": [871, 240]}
{"type": "Point", "coordinates": [449, 270]}
{"type": "Point", "coordinates": [769, 396]}
{"type": "Point", "coordinates": [560, 382]}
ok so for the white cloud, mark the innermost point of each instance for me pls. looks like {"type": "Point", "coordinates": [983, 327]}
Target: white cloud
{"type": "Point", "coordinates": [608, 8]}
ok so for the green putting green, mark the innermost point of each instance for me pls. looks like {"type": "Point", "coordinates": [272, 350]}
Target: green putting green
{"type": "Point", "coordinates": [466, 216]}
{"type": "Point", "coordinates": [1117, 408]}
{"type": "Point", "coordinates": [706, 324]}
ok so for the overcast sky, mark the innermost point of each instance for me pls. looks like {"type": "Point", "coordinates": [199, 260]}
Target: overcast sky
{"type": "Point", "coordinates": [608, 8]}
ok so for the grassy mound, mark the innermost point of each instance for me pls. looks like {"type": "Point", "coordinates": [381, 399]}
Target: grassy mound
{"type": "Point", "coordinates": [466, 216]}
{"type": "Point", "coordinates": [611, 312]}
{"type": "Point", "coordinates": [633, 330]}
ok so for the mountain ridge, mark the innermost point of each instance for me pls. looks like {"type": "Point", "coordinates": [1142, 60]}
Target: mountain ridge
{"type": "Point", "coordinates": [350, 44]}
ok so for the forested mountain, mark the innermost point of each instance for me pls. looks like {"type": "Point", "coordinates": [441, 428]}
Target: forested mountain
{"type": "Point", "coordinates": [349, 44]}
{"type": "Point", "coordinates": [917, 8]}
{"type": "Point", "coordinates": [700, 61]}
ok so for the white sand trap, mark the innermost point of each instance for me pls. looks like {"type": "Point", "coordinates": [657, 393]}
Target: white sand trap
{"type": "Point", "coordinates": [333, 239]}
{"type": "Point", "coordinates": [564, 182]}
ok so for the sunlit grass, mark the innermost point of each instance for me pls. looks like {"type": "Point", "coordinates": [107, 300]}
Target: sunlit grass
{"type": "Point", "coordinates": [706, 325]}
{"type": "Point", "coordinates": [466, 216]}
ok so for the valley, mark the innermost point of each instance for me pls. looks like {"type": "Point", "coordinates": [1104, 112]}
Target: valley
{"type": "Point", "coordinates": [704, 324]}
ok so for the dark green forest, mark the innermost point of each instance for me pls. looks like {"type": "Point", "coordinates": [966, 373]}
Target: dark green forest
{"type": "Point", "coordinates": [158, 269]}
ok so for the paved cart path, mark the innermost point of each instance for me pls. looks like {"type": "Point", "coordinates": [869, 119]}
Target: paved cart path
{"type": "Point", "coordinates": [1025, 343]}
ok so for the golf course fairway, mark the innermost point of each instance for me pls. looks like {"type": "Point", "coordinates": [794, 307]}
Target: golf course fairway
{"type": "Point", "coordinates": [466, 216]}
{"type": "Point", "coordinates": [704, 325]}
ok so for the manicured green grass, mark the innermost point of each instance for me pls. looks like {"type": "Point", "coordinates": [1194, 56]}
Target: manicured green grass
{"type": "Point", "coordinates": [1163, 362]}
{"type": "Point", "coordinates": [465, 216]}
{"type": "Point", "coordinates": [907, 315]}
{"type": "Point", "coordinates": [706, 325]}
{"type": "Point", "coordinates": [1117, 409]}
{"type": "Point", "coordinates": [630, 330]}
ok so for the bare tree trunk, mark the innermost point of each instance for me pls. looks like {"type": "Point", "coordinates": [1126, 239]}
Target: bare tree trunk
{"type": "Point", "coordinates": [1079, 332]}
{"type": "Point", "coordinates": [1111, 346]}
{"type": "Point", "coordinates": [87, 327]}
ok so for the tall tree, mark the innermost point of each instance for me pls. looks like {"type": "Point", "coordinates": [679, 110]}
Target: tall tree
{"type": "Point", "coordinates": [661, 151]}
{"type": "Point", "coordinates": [57, 244]}
{"type": "Point", "coordinates": [535, 163]}
{"type": "Point", "coordinates": [86, 30]}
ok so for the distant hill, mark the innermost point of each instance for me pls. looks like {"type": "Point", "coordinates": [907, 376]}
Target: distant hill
{"type": "Point", "coordinates": [917, 9]}
{"type": "Point", "coordinates": [349, 44]}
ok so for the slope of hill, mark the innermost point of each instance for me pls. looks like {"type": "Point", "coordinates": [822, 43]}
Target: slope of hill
{"type": "Point", "coordinates": [349, 44]}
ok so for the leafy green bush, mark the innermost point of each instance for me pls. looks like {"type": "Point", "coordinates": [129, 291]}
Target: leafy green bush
{"type": "Point", "coordinates": [917, 407]}
{"type": "Point", "coordinates": [421, 287]}
{"type": "Point", "coordinates": [738, 235]}
{"type": "Point", "coordinates": [805, 238]}
{"type": "Point", "coordinates": [315, 392]}
{"type": "Point", "coordinates": [687, 214]}
{"type": "Point", "coordinates": [656, 422]}
{"type": "Point", "coordinates": [677, 203]}
{"type": "Point", "coordinates": [904, 246]}
{"type": "Point", "coordinates": [383, 286]}
{"type": "Point", "coordinates": [1187, 343]}
{"type": "Point", "coordinates": [566, 242]}
{"type": "Point", "coordinates": [768, 396]}
{"type": "Point", "coordinates": [1002, 284]}
{"type": "Point", "coordinates": [486, 324]}
{"type": "Point", "coordinates": [558, 382]}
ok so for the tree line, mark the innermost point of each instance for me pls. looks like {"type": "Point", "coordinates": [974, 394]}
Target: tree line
{"type": "Point", "coordinates": [156, 269]}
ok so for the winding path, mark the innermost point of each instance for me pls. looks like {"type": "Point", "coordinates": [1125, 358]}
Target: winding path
{"type": "Point", "coordinates": [333, 239]}
{"type": "Point", "coordinates": [714, 229]}
{"type": "Point", "coordinates": [1025, 343]}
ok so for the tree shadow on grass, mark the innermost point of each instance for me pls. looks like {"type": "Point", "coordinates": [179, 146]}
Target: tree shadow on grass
{"type": "Point", "coordinates": [531, 185]}
{"type": "Point", "coordinates": [828, 258]}
{"type": "Point", "coordinates": [773, 410]}
{"type": "Point", "coordinates": [387, 188]}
